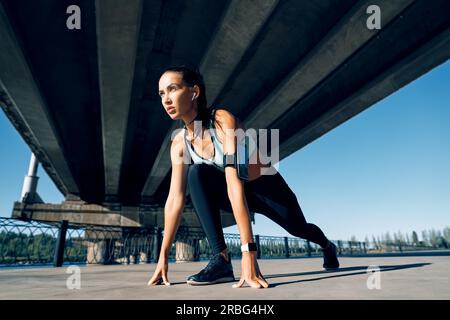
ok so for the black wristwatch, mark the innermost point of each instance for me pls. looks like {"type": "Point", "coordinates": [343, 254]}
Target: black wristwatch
{"type": "Point", "coordinates": [229, 160]}
{"type": "Point", "coordinates": [251, 246]}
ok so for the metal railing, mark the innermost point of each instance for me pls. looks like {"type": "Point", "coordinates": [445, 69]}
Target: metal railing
{"type": "Point", "coordinates": [25, 243]}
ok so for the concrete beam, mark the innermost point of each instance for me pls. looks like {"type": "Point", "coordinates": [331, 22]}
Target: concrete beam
{"type": "Point", "coordinates": [88, 214]}
{"type": "Point", "coordinates": [428, 56]}
{"type": "Point", "coordinates": [118, 24]}
{"type": "Point", "coordinates": [26, 108]}
{"type": "Point", "coordinates": [121, 216]}
{"type": "Point", "coordinates": [77, 213]}
{"type": "Point", "coordinates": [342, 42]}
{"type": "Point", "coordinates": [234, 36]}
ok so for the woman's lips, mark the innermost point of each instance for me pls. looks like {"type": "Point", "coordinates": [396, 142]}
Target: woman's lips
{"type": "Point", "coordinates": [170, 109]}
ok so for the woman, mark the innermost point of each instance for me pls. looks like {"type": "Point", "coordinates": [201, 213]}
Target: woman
{"type": "Point", "coordinates": [215, 185]}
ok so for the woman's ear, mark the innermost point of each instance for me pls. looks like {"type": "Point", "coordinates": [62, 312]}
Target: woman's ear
{"type": "Point", "coordinates": [196, 91]}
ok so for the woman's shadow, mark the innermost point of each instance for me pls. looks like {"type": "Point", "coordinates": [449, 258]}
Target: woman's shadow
{"type": "Point", "coordinates": [342, 272]}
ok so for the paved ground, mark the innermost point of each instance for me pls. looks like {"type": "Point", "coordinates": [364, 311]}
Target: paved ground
{"type": "Point", "coordinates": [411, 277]}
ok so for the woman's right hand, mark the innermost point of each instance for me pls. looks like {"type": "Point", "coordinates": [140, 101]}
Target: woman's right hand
{"type": "Point", "coordinates": [160, 274]}
{"type": "Point", "coordinates": [251, 272]}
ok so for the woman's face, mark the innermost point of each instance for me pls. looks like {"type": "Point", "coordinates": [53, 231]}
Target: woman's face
{"type": "Point", "coordinates": [176, 97]}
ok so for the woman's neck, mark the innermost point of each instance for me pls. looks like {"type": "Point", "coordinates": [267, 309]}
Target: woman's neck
{"type": "Point", "coordinates": [190, 123]}
{"type": "Point", "coordinates": [194, 126]}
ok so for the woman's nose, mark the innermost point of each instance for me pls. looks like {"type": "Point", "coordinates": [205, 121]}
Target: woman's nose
{"type": "Point", "coordinates": [167, 99]}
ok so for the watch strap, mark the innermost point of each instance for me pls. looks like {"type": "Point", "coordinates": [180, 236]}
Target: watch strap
{"type": "Point", "coordinates": [249, 247]}
{"type": "Point", "coordinates": [229, 160]}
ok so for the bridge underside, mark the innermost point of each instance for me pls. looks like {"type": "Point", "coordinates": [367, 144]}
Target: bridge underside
{"type": "Point", "coordinates": [85, 100]}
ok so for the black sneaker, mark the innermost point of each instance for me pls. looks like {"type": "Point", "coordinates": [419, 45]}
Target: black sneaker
{"type": "Point", "coordinates": [330, 261]}
{"type": "Point", "coordinates": [218, 270]}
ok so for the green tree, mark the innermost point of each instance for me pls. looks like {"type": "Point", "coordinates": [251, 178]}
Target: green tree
{"type": "Point", "coordinates": [387, 239]}
{"type": "Point", "coordinates": [425, 238]}
{"type": "Point", "coordinates": [375, 243]}
{"type": "Point", "coordinates": [434, 237]}
{"type": "Point", "coordinates": [415, 238]}
{"type": "Point", "coordinates": [407, 240]}
{"type": "Point", "coordinates": [446, 234]}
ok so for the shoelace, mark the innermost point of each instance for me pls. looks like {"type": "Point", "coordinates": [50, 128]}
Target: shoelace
{"type": "Point", "coordinates": [212, 263]}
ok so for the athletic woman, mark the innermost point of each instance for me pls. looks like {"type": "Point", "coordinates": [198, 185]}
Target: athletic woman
{"type": "Point", "coordinates": [197, 156]}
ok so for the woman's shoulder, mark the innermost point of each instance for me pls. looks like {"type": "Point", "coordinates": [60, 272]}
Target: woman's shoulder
{"type": "Point", "coordinates": [178, 142]}
{"type": "Point", "coordinates": [223, 116]}
{"type": "Point", "coordinates": [221, 112]}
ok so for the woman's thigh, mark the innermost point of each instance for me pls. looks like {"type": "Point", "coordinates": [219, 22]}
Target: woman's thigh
{"type": "Point", "coordinates": [271, 196]}
{"type": "Point", "coordinates": [206, 179]}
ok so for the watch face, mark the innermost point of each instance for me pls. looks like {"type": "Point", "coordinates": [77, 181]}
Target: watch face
{"type": "Point", "coordinates": [249, 247]}
{"type": "Point", "coordinates": [229, 159]}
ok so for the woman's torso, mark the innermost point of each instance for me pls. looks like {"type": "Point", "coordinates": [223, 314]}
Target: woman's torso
{"type": "Point", "coordinates": [208, 148]}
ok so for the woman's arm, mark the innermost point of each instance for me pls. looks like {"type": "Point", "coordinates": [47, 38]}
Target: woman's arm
{"type": "Point", "coordinates": [236, 194]}
{"type": "Point", "coordinates": [177, 192]}
{"type": "Point", "coordinates": [172, 210]}
{"type": "Point", "coordinates": [235, 187]}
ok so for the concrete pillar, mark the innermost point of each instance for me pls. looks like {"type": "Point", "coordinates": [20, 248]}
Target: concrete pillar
{"type": "Point", "coordinates": [187, 250]}
{"type": "Point", "coordinates": [98, 252]}
{"type": "Point", "coordinates": [144, 258]}
{"type": "Point", "coordinates": [145, 250]}
{"type": "Point", "coordinates": [31, 180]}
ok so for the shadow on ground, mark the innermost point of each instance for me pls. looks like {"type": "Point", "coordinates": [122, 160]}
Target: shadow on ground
{"type": "Point", "coordinates": [359, 269]}
{"type": "Point", "coordinates": [342, 272]}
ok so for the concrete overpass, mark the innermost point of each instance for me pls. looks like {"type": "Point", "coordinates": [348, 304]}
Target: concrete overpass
{"type": "Point", "coordinates": [85, 100]}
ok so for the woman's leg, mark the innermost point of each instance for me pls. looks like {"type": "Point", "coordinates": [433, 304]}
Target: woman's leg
{"type": "Point", "coordinates": [270, 195]}
{"type": "Point", "coordinates": [207, 186]}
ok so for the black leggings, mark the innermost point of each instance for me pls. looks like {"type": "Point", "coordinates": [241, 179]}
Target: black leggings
{"type": "Point", "coordinates": [269, 195]}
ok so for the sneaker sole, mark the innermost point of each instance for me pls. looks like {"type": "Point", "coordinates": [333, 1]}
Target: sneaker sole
{"type": "Point", "coordinates": [331, 269]}
{"type": "Point", "coordinates": [220, 280]}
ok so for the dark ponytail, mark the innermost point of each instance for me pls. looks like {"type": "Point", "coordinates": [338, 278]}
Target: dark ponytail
{"type": "Point", "coordinates": [192, 77]}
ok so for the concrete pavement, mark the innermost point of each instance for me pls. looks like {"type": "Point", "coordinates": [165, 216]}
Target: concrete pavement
{"type": "Point", "coordinates": [409, 277]}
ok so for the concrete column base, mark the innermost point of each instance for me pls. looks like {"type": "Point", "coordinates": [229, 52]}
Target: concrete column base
{"type": "Point", "coordinates": [98, 252]}
{"type": "Point", "coordinates": [187, 250]}
{"type": "Point", "coordinates": [145, 257]}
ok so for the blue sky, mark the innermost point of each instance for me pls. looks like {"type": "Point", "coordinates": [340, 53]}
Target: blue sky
{"type": "Point", "coordinates": [387, 169]}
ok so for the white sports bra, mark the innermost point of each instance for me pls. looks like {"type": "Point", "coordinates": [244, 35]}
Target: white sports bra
{"type": "Point", "coordinates": [217, 159]}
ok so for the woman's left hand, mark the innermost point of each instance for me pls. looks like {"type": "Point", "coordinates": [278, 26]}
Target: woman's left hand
{"type": "Point", "coordinates": [250, 272]}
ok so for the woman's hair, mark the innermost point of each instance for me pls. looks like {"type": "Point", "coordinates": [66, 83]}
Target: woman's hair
{"type": "Point", "coordinates": [192, 77]}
